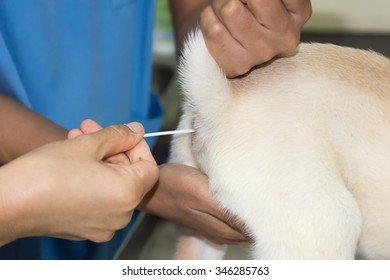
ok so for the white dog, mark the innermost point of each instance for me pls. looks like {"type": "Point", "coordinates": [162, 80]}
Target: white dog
{"type": "Point", "coordinates": [299, 149]}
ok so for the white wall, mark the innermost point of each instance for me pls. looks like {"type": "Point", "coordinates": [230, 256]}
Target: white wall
{"type": "Point", "coordinates": [369, 16]}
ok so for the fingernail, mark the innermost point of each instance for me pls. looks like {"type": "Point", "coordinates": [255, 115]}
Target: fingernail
{"type": "Point", "coordinates": [135, 127]}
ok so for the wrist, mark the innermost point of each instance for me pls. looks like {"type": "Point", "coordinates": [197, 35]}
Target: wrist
{"type": "Point", "coordinates": [17, 218]}
{"type": "Point", "coordinates": [7, 232]}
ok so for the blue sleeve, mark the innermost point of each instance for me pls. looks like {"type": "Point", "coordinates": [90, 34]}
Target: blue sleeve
{"type": "Point", "coordinates": [70, 60]}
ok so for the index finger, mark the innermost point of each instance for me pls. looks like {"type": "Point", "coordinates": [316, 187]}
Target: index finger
{"type": "Point", "coordinates": [302, 8]}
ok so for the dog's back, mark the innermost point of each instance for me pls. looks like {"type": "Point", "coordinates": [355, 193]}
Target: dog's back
{"type": "Point", "coordinates": [299, 148]}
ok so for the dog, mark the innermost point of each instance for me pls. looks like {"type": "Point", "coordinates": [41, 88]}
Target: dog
{"type": "Point", "coordinates": [298, 149]}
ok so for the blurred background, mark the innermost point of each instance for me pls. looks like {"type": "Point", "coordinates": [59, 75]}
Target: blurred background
{"type": "Point", "coordinates": [355, 23]}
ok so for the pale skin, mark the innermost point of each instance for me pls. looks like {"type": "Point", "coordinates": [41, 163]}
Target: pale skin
{"type": "Point", "coordinates": [184, 201]}
{"type": "Point", "coordinates": [69, 189]}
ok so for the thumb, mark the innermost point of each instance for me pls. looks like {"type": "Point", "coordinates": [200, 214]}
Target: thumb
{"type": "Point", "coordinates": [113, 140]}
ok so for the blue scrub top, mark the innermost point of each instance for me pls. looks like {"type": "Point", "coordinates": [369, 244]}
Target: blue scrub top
{"type": "Point", "coordinates": [70, 60]}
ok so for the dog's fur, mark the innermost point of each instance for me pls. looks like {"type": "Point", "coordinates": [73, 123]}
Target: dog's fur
{"type": "Point", "coordinates": [299, 149]}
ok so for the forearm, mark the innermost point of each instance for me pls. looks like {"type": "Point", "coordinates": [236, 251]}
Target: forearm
{"type": "Point", "coordinates": [22, 130]}
{"type": "Point", "coordinates": [13, 212]}
{"type": "Point", "coordinates": [185, 16]}
{"type": "Point", "coordinates": [5, 231]}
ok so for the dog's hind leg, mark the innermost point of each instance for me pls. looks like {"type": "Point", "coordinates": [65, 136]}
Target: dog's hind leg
{"type": "Point", "coordinates": [317, 218]}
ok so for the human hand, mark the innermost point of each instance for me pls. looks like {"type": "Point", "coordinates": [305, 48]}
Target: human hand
{"type": "Point", "coordinates": [67, 189]}
{"type": "Point", "coordinates": [182, 196]}
{"type": "Point", "coordinates": [240, 34]}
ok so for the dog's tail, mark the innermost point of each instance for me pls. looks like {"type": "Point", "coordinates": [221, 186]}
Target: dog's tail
{"type": "Point", "coordinates": [201, 78]}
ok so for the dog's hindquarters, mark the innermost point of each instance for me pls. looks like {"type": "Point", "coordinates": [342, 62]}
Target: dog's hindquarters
{"type": "Point", "coordinates": [287, 191]}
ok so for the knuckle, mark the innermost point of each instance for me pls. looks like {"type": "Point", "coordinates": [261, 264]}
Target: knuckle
{"type": "Point", "coordinates": [267, 56]}
{"type": "Point", "coordinates": [108, 236]}
{"type": "Point", "coordinates": [287, 40]}
{"type": "Point", "coordinates": [264, 52]}
{"type": "Point", "coordinates": [301, 16]}
{"type": "Point", "coordinates": [230, 10]}
{"type": "Point", "coordinates": [212, 29]}
{"type": "Point", "coordinates": [128, 198]}
{"type": "Point", "coordinates": [119, 130]}
{"type": "Point", "coordinates": [242, 69]}
{"type": "Point", "coordinates": [103, 237]}
{"type": "Point", "coordinates": [291, 40]}
{"type": "Point", "coordinates": [307, 12]}
{"type": "Point", "coordinates": [124, 222]}
{"type": "Point", "coordinates": [238, 70]}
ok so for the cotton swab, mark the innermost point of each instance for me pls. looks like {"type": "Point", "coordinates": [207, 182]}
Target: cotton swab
{"type": "Point", "coordinates": [171, 132]}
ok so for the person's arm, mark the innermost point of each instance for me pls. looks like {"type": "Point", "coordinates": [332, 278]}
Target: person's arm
{"type": "Point", "coordinates": [23, 129]}
{"type": "Point", "coordinates": [247, 32]}
{"type": "Point", "coordinates": [68, 189]}
{"type": "Point", "coordinates": [185, 16]}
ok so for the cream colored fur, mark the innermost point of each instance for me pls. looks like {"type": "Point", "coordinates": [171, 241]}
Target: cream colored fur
{"type": "Point", "coordinates": [299, 149]}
